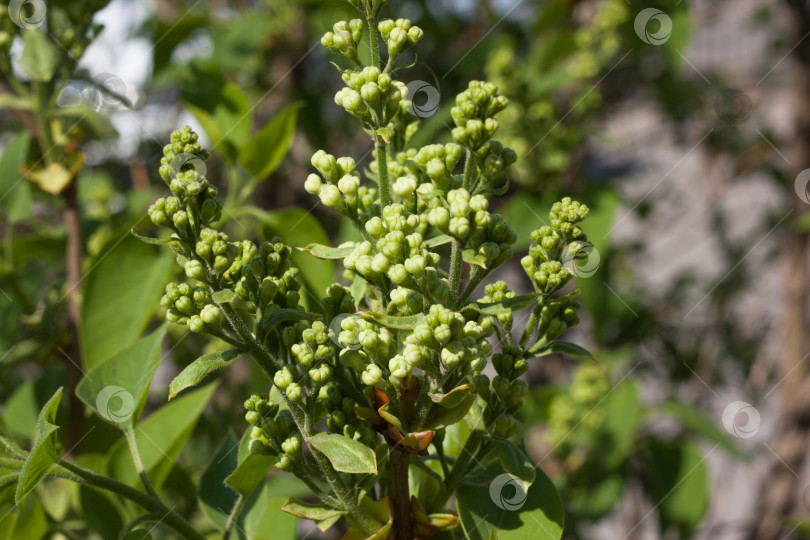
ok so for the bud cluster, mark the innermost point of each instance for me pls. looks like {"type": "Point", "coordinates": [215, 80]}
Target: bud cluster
{"type": "Point", "coordinates": [544, 263]}
{"type": "Point", "coordinates": [273, 432]}
{"type": "Point", "coordinates": [341, 416]}
{"type": "Point", "coordinates": [191, 306]}
{"type": "Point", "coordinates": [372, 96]}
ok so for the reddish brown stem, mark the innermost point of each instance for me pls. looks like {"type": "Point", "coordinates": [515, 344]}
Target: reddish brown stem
{"type": "Point", "coordinates": [400, 495]}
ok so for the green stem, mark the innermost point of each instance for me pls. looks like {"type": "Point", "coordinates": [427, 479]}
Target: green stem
{"type": "Point", "coordinates": [478, 275]}
{"type": "Point", "coordinates": [529, 329]}
{"type": "Point", "coordinates": [382, 171]}
{"type": "Point", "coordinates": [170, 517]}
{"type": "Point", "coordinates": [233, 516]}
{"type": "Point", "coordinates": [40, 116]}
{"type": "Point", "coordinates": [132, 442]}
{"type": "Point", "coordinates": [143, 518]}
{"type": "Point", "coordinates": [372, 37]}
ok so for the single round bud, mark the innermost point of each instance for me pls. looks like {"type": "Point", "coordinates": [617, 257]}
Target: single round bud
{"type": "Point", "coordinates": [313, 184]}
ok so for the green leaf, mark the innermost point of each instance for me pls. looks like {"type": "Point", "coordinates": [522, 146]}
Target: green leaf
{"type": "Point", "coordinates": [100, 513]}
{"type": "Point", "coordinates": [204, 366]}
{"type": "Point", "coordinates": [453, 397]}
{"type": "Point", "coordinates": [299, 228]}
{"type": "Point", "coordinates": [679, 484]}
{"type": "Point", "coordinates": [471, 256]}
{"type": "Point", "coordinates": [43, 454]}
{"type": "Point", "coordinates": [501, 505]}
{"type": "Point", "coordinates": [117, 388]}
{"type": "Point", "coordinates": [225, 296]}
{"type": "Point", "coordinates": [286, 314]}
{"type": "Point", "coordinates": [160, 438]}
{"type": "Point", "coordinates": [515, 462]}
{"type": "Point", "coordinates": [9, 101]}
{"type": "Point", "coordinates": [504, 306]}
{"type": "Point", "coordinates": [216, 498]}
{"type": "Point", "coordinates": [249, 473]}
{"type": "Point", "coordinates": [39, 57]}
{"type": "Point", "coordinates": [154, 241]}
{"type": "Point", "coordinates": [406, 322]}
{"type": "Point", "coordinates": [15, 192]}
{"type": "Point", "coordinates": [224, 112]}
{"type": "Point", "coordinates": [438, 241]}
{"type": "Point", "coordinates": [445, 416]}
{"type": "Point", "coordinates": [696, 421]}
{"type": "Point", "coordinates": [624, 414]}
{"type": "Point", "coordinates": [266, 150]}
{"type": "Point", "coordinates": [315, 512]}
{"type": "Point", "coordinates": [264, 519]}
{"type": "Point", "coordinates": [127, 273]}
{"type": "Point", "coordinates": [345, 454]}
{"type": "Point", "coordinates": [329, 252]}
{"type": "Point", "coordinates": [561, 347]}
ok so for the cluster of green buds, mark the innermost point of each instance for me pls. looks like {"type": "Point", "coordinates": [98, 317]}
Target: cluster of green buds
{"type": "Point", "coordinates": [575, 415]}
{"type": "Point", "coordinates": [339, 186]}
{"type": "Point", "coordinates": [505, 392]}
{"type": "Point", "coordinates": [399, 35]}
{"type": "Point", "coordinates": [544, 263]}
{"type": "Point", "coordinates": [367, 346]}
{"type": "Point", "coordinates": [342, 418]}
{"type": "Point", "coordinates": [314, 356]}
{"type": "Point", "coordinates": [274, 432]}
{"type": "Point", "coordinates": [372, 96]}
{"type": "Point", "coordinates": [474, 114]}
{"type": "Point", "coordinates": [344, 38]}
{"type": "Point", "coordinates": [191, 306]}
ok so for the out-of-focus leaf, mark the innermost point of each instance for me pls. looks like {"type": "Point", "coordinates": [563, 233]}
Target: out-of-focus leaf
{"type": "Point", "coordinates": [562, 347]}
{"type": "Point", "coordinates": [266, 150]}
{"type": "Point", "coordinates": [515, 462]}
{"type": "Point", "coordinates": [299, 228]}
{"type": "Point", "coordinates": [217, 499]}
{"type": "Point", "coordinates": [328, 252]}
{"type": "Point", "coordinates": [264, 519]}
{"type": "Point", "coordinates": [679, 484]}
{"type": "Point", "coordinates": [15, 193]}
{"type": "Point", "coordinates": [160, 438]}
{"type": "Point", "coordinates": [315, 512]}
{"type": "Point", "coordinates": [100, 513]}
{"type": "Point", "coordinates": [196, 372]}
{"type": "Point", "coordinates": [500, 504]}
{"type": "Point", "coordinates": [623, 417]}
{"type": "Point", "coordinates": [127, 273]}
{"type": "Point", "coordinates": [221, 108]}
{"type": "Point", "coordinates": [39, 56]}
{"type": "Point", "coordinates": [249, 473]}
{"type": "Point", "coordinates": [43, 454]}
{"type": "Point", "coordinates": [117, 387]}
{"type": "Point", "coordinates": [695, 420]}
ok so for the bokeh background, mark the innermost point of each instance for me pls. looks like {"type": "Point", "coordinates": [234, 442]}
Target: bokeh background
{"type": "Point", "coordinates": [685, 125]}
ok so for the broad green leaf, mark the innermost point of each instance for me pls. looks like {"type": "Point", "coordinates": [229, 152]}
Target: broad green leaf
{"type": "Point", "coordinates": [217, 499]}
{"type": "Point", "coordinates": [679, 484]}
{"type": "Point", "coordinates": [504, 306]}
{"type": "Point", "coordinates": [100, 513]}
{"type": "Point", "coordinates": [515, 462]}
{"type": "Point", "coordinates": [315, 512]}
{"type": "Point", "coordinates": [15, 193]}
{"type": "Point", "coordinates": [39, 56]}
{"type": "Point", "coordinates": [405, 322]}
{"type": "Point", "coordinates": [695, 420]}
{"type": "Point", "coordinates": [502, 506]}
{"type": "Point", "coordinates": [127, 274]}
{"type": "Point", "coordinates": [264, 519]}
{"type": "Point", "coordinates": [345, 454]}
{"type": "Point", "coordinates": [117, 388]}
{"type": "Point", "coordinates": [561, 347]}
{"type": "Point", "coordinates": [43, 454]}
{"type": "Point", "coordinates": [204, 366]}
{"type": "Point", "coordinates": [160, 438]}
{"type": "Point", "coordinates": [600, 498]}
{"type": "Point", "coordinates": [329, 252]}
{"type": "Point", "coordinates": [299, 228]}
{"type": "Point", "coordinates": [250, 472]}
{"type": "Point", "coordinates": [623, 417]}
{"type": "Point", "coordinates": [266, 150]}
{"type": "Point", "coordinates": [454, 397]}
{"type": "Point", "coordinates": [30, 521]}
{"type": "Point", "coordinates": [21, 409]}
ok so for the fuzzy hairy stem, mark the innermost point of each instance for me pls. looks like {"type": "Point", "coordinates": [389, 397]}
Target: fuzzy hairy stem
{"type": "Point", "coordinates": [455, 273]}
{"type": "Point", "coordinates": [382, 171]}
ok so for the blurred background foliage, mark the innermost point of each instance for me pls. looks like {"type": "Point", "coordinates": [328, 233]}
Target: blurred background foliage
{"type": "Point", "coordinates": [630, 440]}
